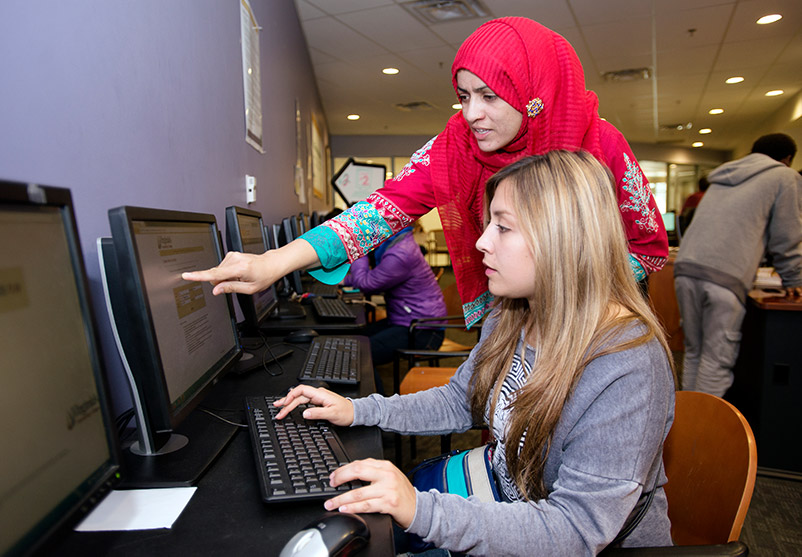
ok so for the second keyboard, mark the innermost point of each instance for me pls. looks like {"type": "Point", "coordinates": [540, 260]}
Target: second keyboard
{"type": "Point", "coordinates": [332, 359]}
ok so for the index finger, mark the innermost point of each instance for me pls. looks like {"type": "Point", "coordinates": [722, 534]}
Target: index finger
{"type": "Point", "coordinates": [208, 275]}
{"type": "Point", "coordinates": [297, 396]}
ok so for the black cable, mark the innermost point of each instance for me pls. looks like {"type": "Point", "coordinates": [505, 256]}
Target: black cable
{"type": "Point", "coordinates": [221, 418]}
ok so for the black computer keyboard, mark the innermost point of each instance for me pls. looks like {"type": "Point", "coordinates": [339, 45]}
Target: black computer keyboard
{"type": "Point", "coordinates": [323, 290]}
{"type": "Point", "coordinates": [332, 359]}
{"type": "Point", "coordinates": [332, 308]}
{"type": "Point", "coordinates": [294, 456]}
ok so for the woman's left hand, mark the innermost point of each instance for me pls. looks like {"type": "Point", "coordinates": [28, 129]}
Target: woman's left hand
{"type": "Point", "coordinates": [389, 492]}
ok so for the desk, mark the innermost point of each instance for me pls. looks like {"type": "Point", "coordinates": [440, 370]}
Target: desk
{"type": "Point", "coordinates": [276, 326]}
{"type": "Point", "coordinates": [226, 516]}
{"type": "Point", "coordinates": [768, 379]}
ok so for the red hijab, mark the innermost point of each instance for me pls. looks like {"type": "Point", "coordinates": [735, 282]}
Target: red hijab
{"type": "Point", "coordinates": [537, 72]}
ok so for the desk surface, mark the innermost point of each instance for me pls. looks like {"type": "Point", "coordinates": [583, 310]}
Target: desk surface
{"type": "Point", "coordinates": [226, 516]}
{"type": "Point", "coordinates": [774, 300]}
{"type": "Point", "coordinates": [275, 326]}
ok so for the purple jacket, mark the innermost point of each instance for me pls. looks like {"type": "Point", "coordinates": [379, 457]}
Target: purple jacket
{"type": "Point", "coordinates": [410, 289]}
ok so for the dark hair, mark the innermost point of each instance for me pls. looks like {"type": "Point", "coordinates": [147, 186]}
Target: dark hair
{"type": "Point", "coordinates": [776, 145]}
{"type": "Point", "coordinates": [704, 183]}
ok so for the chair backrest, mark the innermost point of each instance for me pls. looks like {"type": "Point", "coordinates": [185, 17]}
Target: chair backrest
{"type": "Point", "coordinates": [710, 459]}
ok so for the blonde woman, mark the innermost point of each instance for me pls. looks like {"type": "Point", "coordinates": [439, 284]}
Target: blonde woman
{"type": "Point", "coordinates": [572, 375]}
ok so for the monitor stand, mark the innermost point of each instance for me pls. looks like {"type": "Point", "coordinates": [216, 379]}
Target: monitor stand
{"type": "Point", "coordinates": [288, 310]}
{"type": "Point", "coordinates": [190, 451]}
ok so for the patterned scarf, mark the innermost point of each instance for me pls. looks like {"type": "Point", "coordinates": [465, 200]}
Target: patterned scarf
{"type": "Point", "coordinates": [537, 72]}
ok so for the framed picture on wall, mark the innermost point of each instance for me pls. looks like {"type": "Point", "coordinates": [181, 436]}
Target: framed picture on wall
{"type": "Point", "coordinates": [318, 161]}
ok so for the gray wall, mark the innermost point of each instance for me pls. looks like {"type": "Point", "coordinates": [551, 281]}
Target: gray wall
{"type": "Point", "coordinates": [141, 103]}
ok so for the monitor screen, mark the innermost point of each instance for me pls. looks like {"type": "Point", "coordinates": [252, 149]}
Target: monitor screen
{"type": "Point", "coordinates": [175, 337]}
{"type": "Point", "coordinates": [58, 442]}
{"type": "Point", "coordinates": [245, 233]}
{"type": "Point", "coordinates": [284, 235]}
{"type": "Point", "coordinates": [670, 221]}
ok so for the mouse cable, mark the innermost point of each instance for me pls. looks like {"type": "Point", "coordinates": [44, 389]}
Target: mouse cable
{"type": "Point", "coordinates": [221, 418]}
{"type": "Point", "coordinates": [265, 364]}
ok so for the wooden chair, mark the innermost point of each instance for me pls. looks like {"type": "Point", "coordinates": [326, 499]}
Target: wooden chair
{"type": "Point", "coordinates": [710, 459]}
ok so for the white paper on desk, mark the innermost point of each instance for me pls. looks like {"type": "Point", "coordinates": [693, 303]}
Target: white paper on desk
{"type": "Point", "coordinates": [138, 509]}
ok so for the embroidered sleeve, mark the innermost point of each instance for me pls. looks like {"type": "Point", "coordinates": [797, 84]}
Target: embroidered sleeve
{"type": "Point", "coordinates": [646, 235]}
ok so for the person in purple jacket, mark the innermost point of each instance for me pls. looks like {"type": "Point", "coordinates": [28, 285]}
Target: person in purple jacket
{"type": "Point", "coordinates": [410, 292]}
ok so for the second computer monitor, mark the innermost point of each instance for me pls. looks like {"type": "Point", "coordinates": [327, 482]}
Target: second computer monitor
{"type": "Point", "coordinates": [245, 233]}
{"type": "Point", "coordinates": [175, 337]}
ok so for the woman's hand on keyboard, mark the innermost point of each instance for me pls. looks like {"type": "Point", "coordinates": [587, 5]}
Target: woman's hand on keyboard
{"type": "Point", "coordinates": [328, 405]}
{"type": "Point", "coordinates": [390, 491]}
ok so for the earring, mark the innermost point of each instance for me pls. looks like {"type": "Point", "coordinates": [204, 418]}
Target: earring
{"type": "Point", "coordinates": [534, 107]}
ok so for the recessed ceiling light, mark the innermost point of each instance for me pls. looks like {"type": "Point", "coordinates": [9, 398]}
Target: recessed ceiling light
{"type": "Point", "coordinates": [456, 106]}
{"type": "Point", "coordinates": [736, 79]}
{"type": "Point", "coordinates": [353, 116]}
{"type": "Point", "coordinates": [775, 93]}
{"type": "Point", "coordinates": [771, 18]}
{"type": "Point", "coordinates": [705, 131]}
{"type": "Point", "coordinates": [715, 111]}
{"type": "Point", "coordinates": [390, 71]}
{"type": "Point", "coordinates": [697, 144]}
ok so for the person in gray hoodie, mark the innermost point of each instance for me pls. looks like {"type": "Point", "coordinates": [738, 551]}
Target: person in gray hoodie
{"type": "Point", "coordinates": [753, 205]}
{"type": "Point", "coordinates": [572, 376]}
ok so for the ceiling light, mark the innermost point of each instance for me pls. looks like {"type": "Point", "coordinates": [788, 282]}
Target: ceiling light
{"type": "Point", "coordinates": [705, 131]}
{"type": "Point", "coordinates": [775, 93]}
{"type": "Point", "coordinates": [697, 144]}
{"type": "Point", "coordinates": [353, 116]}
{"type": "Point", "coordinates": [390, 71]}
{"type": "Point", "coordinates": [456, 106]}
{"type": "Point", "coordinates": [715, 111]}
{"type": "Point", "coordinates": [766, 19]}
{"type": "Point", "coordinates": [736, 79]}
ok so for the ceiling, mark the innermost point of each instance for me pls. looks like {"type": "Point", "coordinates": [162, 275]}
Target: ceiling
{"type": "Point", "coordinates": [692, 46]}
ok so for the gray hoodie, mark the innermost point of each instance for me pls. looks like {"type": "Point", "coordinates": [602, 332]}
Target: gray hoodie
{"type": "Point", "coordinates": [754, 204]}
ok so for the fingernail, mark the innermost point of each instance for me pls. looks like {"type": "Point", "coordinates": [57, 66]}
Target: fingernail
{"type": "Point", "coordinates": [327, 505]}
{"type": "Point", "coordinates": [306, 414]}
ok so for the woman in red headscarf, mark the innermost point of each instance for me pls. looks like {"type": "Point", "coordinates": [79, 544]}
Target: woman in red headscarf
{"type": "Point", "coordinates": [523, 93]}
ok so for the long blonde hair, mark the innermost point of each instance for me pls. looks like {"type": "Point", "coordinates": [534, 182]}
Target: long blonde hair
{"type": "Point", "coordinates": [585, 293]}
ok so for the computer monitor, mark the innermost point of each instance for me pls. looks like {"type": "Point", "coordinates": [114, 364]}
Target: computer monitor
{"type": "Point", "coordinates": [284, 235]}
{"type": "Point", "coordinates": [670, 221]}
{"type": "Point", "coordinates": [175, 338]}
{"type": "Point", "coordinates": [59, 445]}
{"type": "Point", "coordinates": [245, 233]}
{"type": "Point", "coordinates": [303, 221]}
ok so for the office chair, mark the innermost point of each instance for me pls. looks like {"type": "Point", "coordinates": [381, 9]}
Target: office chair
{"type": "Point", "coordinates": [436, 245]}
{"type": "Point", "coordinates": [454, 319]}
{"type": "Point", "coordinates": [710, 459]}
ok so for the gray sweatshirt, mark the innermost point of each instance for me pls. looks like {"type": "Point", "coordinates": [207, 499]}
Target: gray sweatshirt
{"type": "Point", "coordinates": [606, 451]}
{"type": "Point", "coordinates": [753, 204]}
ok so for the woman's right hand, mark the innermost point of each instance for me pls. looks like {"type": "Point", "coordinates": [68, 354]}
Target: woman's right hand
{"type": "Point", "coordinates": [246, 273]}
{"type": "Point", "coordinates": [327, 405]}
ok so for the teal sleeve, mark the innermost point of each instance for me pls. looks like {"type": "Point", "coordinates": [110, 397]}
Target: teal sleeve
{"type": "Point", "coordinates": [331, 252]}
{"type": "Point", "coordinates": [637, 268]}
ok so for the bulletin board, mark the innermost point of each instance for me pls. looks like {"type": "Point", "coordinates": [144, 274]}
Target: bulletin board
{"type": "Point", "coordinates": [355, 181]}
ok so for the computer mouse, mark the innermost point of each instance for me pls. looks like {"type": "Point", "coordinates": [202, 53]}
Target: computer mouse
{"type": "Point", "coordinates": [332, 534]}
{"type": "Point", "coordinates": [301, 335]}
